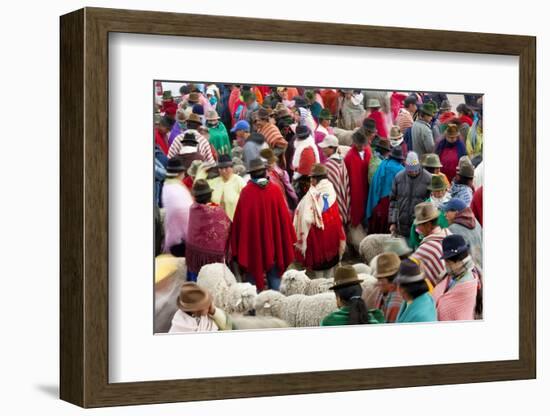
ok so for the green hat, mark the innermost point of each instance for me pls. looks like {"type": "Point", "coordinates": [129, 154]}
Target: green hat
{"type": "Point", "coordinates": [428, 108]}
{"type": "Point", "coordinates": [325, 115]}
{"type": "Point", "coordinates": [438, 183]}
{"type": "Point", "coordinates": [167, 95]}
{"type": "Point", "coordinates": [431, 160]}
{"type": "Point", "coordinates": [309, 95]}
{"type": "Point", "coordinates": [373, 103]}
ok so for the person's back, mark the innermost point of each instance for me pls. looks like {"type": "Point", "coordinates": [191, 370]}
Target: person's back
{"type": "Point", "coordinates": [407, 192]}
{"type": "Point", "coordinates": [422, 138]}
{"type": "Point", "coordinates": [466, 225]}
{"type": "Point", "coordinates": [421, 309]}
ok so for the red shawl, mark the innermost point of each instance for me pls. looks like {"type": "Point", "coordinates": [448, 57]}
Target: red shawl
{"type": "Point", "coordinates": [207, 236]}
{"type": "Point", "coordinates": [262, 234]}
{"type": "Point", "coordinates": [358, 181]}
{"type": "Point", "coordinates": [380, 119]}
{"type": "Point", "coordinates": [477, 205]}
{"type": "Point", "coordinates": [465, 119]}
{"type": "Point", "coordinates": [161, 141]}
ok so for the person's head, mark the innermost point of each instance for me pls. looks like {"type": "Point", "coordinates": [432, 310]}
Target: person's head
{"type": "Point", "coordinates": [175, 168]}
{"type": "Point", "coordinates": [387, 266]}
{"type": "Point", "coordinates": [348, 291]}
{"type": "Point", "coordinates": [194, 299]}
{"type": "Point", "coordinates": [465, 171]}
{"type": "Point", "coordinates": [269, 157]}
{"type": "Point", "coordinates": [282, 92]}
{"type": "Point", "coordinates": [427, 111]}
{"type": "Point", "coordinates": [257, 169]}
{"type": "Point", "coordinates": [249, 98]}
{"type": "Point", "coordinates": [412, 165]}
{"type": "Point", "coordinates": [456, 254]}
{"type": "Point", "coordinates": [410, 104]}
{"type": "Point", "coordinates": [325, 117]}
{"type": "Point", "coordinates": [257, 138]}
{"type": "Point", "coordinates": [212, 118]}
{"type": "Point", "coordinates": [225, 167]}
{"type": "Point", "coordinates": [329, 145]}
{"type": "Point", "coordinates": [451, 133]}
{"type": "Point", "coordinates": [383, 147]}
{"type": "Point", "coordinates": [201, 191]}
{"type": "Point", "coordinates": [194, 121]}
{"type": "Point", "coordinates": [165, 124]}
{"type": "Point", "coordinates": [189, 139]}
{"type": "Point", "coordinates": [359, 140]}
{"type": "Point", "coordinates": [464, 110]}
{"type": "Point", "coordinates": [318, 173]}
{"type": "Point", "coordinates": [426, 217]}
{"type": "Point", "coordinates": [369, 129]}
{"type": "Point", "coordinates": [453, 207]}
{"type": "Point", "coordinates": [373, 104]}
{"type": "Point", "coordinates": [302, 132]}
{"type": "Point", "coordinates": [431, 162]}
{"type": "Point", "coordinates": [410, 279]}
{"type": "Point", "coordinates": [241, 129]}
{"type": "Point", "coordinates": [261, 118]}
{"type": "Point", "coordinates": [437, 187]}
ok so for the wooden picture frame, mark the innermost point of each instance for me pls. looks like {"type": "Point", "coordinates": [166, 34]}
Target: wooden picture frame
{"type": "Point", "coordinates": [84, 207]}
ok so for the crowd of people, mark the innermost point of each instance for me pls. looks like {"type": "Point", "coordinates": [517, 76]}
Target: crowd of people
{"type": "Point", "coordinates": [266, 178]}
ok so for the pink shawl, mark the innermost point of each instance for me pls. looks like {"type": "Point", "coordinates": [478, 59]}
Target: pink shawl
{"type": "Point", "coordinates": [458, 303]}
{"type": "Point", "coordinates": [176, 199]}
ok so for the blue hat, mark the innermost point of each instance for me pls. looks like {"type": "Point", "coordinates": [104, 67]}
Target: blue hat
{"type": "Point", "coordinates": [453, 245]}
{"type": "Point", "coordinates": [241, 125]}
{"type": "Point", "coordinates": [454, 204]}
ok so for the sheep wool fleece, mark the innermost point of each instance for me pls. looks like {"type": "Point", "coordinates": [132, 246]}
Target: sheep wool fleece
{"type": "Point", "coordinates": [262, 235]}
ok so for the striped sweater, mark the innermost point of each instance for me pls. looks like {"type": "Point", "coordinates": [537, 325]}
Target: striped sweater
{"type": "Point", "coordinates": [273, 136]}
{"type": "Point", "coordinates": [337, 174]}
{"type": "Point", "coordinates": [429, 253]}
{"type": "Point", "coordinates": [203, 148]}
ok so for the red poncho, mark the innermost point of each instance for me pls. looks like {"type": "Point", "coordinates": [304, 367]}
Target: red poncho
{"type": "Point", "coordinates": [262, 234]}
{"type": "Point", "coordinates": [358, 171]}
{"type": "Point", "coordinates": [162, 141]}
{"type": "Point", "coordinates": [380, 119]}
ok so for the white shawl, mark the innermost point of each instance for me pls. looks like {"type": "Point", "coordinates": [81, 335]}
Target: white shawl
{"type": "Point", "coordinates": [299, 146]}
{"type": "Point", "coordinates": [183, 322]}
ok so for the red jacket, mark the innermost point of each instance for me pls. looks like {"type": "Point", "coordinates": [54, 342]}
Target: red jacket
{"type": "Point", "coordinates": [358, 172]}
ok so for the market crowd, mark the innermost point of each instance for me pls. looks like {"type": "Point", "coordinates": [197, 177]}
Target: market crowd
{"type": "Point", "coordinates": [266, 178]}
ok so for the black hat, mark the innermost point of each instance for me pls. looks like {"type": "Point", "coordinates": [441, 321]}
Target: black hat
{"type": "Point", "coordinates": [256, 165]}
{"type": "Point", "coordinates": [175, 166]}
{"type": "Point", "coordinates": [225, 161]}
{"type": "Point", "coordinates": [397, 153]}
{"type": "Point", "coordinates": [302, 132]}
{"type": "Point", "coordinates": [201, 187]}
{"type": "Point", "coordinates": [190, 138]}
{"type": "Point", "coordinates": [359, 137]}
{"type": "Point", "coordinates": [370, 125]}
{"type": "Point", "coordinates": [167, 122]}
{"type": "Point", "coordinates": [411, 99]}
{"type": "Point", "coordinates": [409, 272]}
{"type": "Point", "coordinates": [453, 245]}
{"type": "Point", "coordinates": [299, 101]}
{"type": "Point", "coordinates": [257, 138]}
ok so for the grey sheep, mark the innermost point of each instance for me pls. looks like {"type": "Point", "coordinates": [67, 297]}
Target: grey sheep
{"type": "Point", "coordinates": [372, 245]}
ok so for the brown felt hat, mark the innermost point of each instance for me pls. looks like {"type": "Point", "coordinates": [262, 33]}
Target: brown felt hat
{"type": "Point", "coordinates": [425, 212]}
{"type": "Point", "coordinates": [452, 130]}
{"type": "Point", "coordinates": [438, 183]}
{"type": "Point", "coordinates": [256, 165]}
{"type": "Point", "coordinates": [194, 97]}
{"type": "Point", "coordinates": [387, 264]}
{"type": "Point", "coordinates": [201, 187]}
{"type": "Point", "coordinates": [465, 167]}
{"type": "Point", "coordinates": [318, 170]}
{"type": "Point", "coordinates": [268, 155]}
{"type": "Point", "coordinates": [193, 298]}
{"type": "Point", "coordinates": [194, 117]}
{"type": "Point", "coordinates": [345, 276]}
{"type": "Point", "coordinates": [431, 160]}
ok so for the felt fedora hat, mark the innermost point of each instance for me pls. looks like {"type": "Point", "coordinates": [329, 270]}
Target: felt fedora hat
{"type": "Point", "coordinates": [345, 276]}
{"type": "Point", "coordinates": [193, 298]}
{"type": "Point", "coordinates": [256, 165]}
{"type": "Point", "coordinates": [453, 245]}
{"type": "Point", "coordinates": [325, 115]}
{"type": "Point", "coordinates": [397, 153]}
{"type": "Point", "coordinates": [212, 115]}
{"type": "Point", "coordinates": [409, 272]}
{"type": "Point", "coordinates": [431, 160]}
{"type": "Point", "coordinates": [424, 212]}
{"type": "Point", "coordinates": [194, 118]}
{"type": "Point", "coordinates": [465, 167]}
{"type": "Point", "coordinates": [318, 170]}
{"type": "Point", "coordinates": [174, 167]}
{"type": "Point", "coordinates": [452, 130]}
{"type": "Point", "coordinates": [395, 133]}
{"type": "Point", "coordinates": [224, 161]}
{"type": "Point", "coordinates": [437, 184]}
{"type": "Point", "coordinates": [268, 155]}
{"type": "Point", "coordinates": [193, 97]}
{"type": "Point", "coordinates": [387, 264]}
{"type": "Point", "coordinates": [201, 187]}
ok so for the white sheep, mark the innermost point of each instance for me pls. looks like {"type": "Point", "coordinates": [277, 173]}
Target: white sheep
{"type": "Point", "coordinates": [356, 235]}
{"type": "Point", "coordinates": [297, 282]}
{"type": "Point", "coordinates": [167, 290]}
{"type": "Point", "coordinates": [344, 136]}
{"type": "Point", "coordinates": [296, 310]}
{"type": "Point", "coordinates": [226, 292]}
{"type": "Point", "coordinates": [372, 245]}
{"type": "Point", "coordinates": [256, 322]}
{"type": "Point", "coordinates": [343, 150]}
{"type": "Point", "coordinates": [362, 268]}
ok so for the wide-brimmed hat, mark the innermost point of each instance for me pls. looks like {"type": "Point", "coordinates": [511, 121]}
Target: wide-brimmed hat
{"type": "Point", "coordinates": [383, 144]}
{"type": "Point", "coordinates": [174, 167]}
{"type": "Point", "coordinates": [200, 187]}
{"type": "Point", "coordinates": [189, 138]}
{"type": "Point", "coordinates": [318, 170]}
{"type": "Point", "coordinates": [397, 245]}
{"type": "Point", "coordinates": [397, 153]}
{"type": "Point", "coordinates": [262, 114]}
{"type": "Point", "coordinates": [445, 105]}
{"type": "Point", "coordinates": [395, 133]}
{"type": "Point", "coordinates": [325, 115]}
{"type": "Point", "coordinates": [167, 122]}
{"type": "Point", "coordinates": [370, 125]}
{"type": "Point", "coordinates": [194, 118]}
{"type": "Point", "coordinates": [268, 155]}
{"type": "Point", "coordinates": [241, 125]}
{"type": "Point", "coordinates": [224, 161]}
{"type": "Point", "coordinates": [329, 141]}
{"type": "Point", "coordinates": [431, 160]}
{"type": "Point", "coordinates": [345, 276]}
{"type": "Point", "coordinates": [437, 184]}
{"type": "Point", "coordinates": [454, 204]}
{"type": "Point", "coordinates": [425, 212]}
{"type": "Point", "coordinates": [194, 167]}
{"type": "Point", "coordinates": [373, 103]}
{"type": "Point", "coordinates": [428, 108]}
{"type": "Point", "coordinates": [453, 245]}
{"type": "Point", "coordinates": [256, 165]}
{"type": "Point", "coordinates": [193, 97]}
{"type": "Point", "coordinates": [212, 115]}
{"type": "Point", "coordinates": [465, 167]}
{"type": "Point", "coordinates": [167, 95]}
{"type": "Point", "coordinates": [452, 130]}
{"type": "Point", "coordinates": [411, 99]}
{"type": "Point", "coordinates": [193, 298]}
{"type": "Point", "coordinates": [387, 264]}
{"type": "Point", "coordinates": [300, 101]}
{"type": "Point", "coordinates": [302, 132]}
{"type": "Point", "coordinates": [409, 272]}
{"type": "Point", "coordinates": [309, 95]}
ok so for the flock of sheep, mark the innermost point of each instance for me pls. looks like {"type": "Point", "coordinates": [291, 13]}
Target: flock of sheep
{"type": "Point", "coordinates": [301, 301]}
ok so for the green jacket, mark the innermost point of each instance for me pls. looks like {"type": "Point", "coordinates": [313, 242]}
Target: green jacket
{"type": "Point", "coordinates": [341, 317]}
{"type": "Point", "coordinates": [219, 139]}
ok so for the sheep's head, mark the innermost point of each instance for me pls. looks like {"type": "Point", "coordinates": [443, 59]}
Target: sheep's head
{"type": "Point", "coordinates": [243, 297]}
{"type": "Point", "coordinates": [293, 282]}
{"type": "Point", "coordinates": [267, 301]}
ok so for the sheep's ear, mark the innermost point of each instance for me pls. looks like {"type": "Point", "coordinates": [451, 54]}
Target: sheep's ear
{"type": "Point", "coordinates": [267, 305]}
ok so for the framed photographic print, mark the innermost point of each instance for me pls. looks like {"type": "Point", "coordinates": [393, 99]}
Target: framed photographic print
{"type": "Point", "coordinates": [242, 208]}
